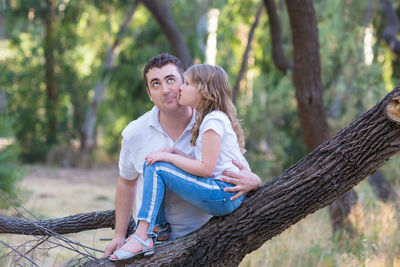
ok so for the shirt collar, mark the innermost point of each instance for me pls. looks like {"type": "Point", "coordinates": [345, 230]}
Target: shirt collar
{"type": "Point", "coordinates": [155, 120]}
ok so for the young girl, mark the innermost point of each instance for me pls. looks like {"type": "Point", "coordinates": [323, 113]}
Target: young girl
{"type": "Point", "coordinates": [218, 139]}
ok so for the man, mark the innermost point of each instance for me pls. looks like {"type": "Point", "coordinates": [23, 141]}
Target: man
{"type": "Point", "coordinates": [168, 124]}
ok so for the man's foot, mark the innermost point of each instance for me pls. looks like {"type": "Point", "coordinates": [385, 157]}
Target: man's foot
{"type": "Point", "coordinates": [162, 232]}
{"type": "Point", "coordinates": [135, 246]}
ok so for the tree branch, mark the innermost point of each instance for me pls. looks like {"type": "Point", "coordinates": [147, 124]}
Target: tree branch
{"type": "Point", "coordinates": [278, 56]}
{"type": "Point", "coordinates": [243, 66]}
{"type": "Point", "coordinates": [66, 225]}
{"type": "Point", "coordinates": [163, 15]}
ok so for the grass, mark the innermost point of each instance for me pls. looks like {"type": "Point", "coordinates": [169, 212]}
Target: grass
{"type": "Point", "coordinates": [310, 242]}
{"type": "Point", "coordinates": [55, 192]}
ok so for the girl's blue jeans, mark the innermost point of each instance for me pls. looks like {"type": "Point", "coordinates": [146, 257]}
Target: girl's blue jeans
{"type": "Point", "coordinates": [205, 193]}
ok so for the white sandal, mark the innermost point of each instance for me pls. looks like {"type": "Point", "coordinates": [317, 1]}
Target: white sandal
{"type": "Point", "coordinates": [123, 254]}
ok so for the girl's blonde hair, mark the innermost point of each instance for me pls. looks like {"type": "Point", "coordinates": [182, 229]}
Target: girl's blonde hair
{"type": "Point", "coordinates": [215, 94]}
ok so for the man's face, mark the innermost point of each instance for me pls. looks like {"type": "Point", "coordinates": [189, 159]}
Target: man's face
{"type": "Point", "coordinates": [163, 87]}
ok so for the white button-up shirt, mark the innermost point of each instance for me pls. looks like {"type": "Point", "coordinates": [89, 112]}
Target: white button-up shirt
{"type": "Point", "coordinates": [146, 135]}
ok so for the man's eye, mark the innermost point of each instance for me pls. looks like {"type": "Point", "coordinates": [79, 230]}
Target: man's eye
{"type": "Point", "coordinates": [155, 84]}
{"type": "Point", "coordinates": [171, 80]}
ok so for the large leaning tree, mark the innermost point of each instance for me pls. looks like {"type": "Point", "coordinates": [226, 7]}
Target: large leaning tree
{"type": "Point", "coordinates": [325, 174]}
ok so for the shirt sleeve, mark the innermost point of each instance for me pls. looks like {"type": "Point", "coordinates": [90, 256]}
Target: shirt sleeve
{"type": "Point", "coordinates": [126, 167]}
{"type": "Point", "coordinates": [214, 123]}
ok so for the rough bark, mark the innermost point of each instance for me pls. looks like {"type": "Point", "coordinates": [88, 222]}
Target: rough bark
{"type": "Point", "coordinates": [245, 57]}
{"type": "Point", "coordinates": [278, 56]}
{"type": "Point", "coordinates": [112, 53]}
{"type": "Point", "coordinates": [392, 26]}
{"type": "Point", "coordinates": [316, 181]}
{"type": "Point", "coordinates": [163, 15]}
{"type": "Point", "coordinates": [66, 225]}
{"type": "Point", "coordinates": [51, 87]}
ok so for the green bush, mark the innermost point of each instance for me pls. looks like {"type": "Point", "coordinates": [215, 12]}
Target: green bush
{"type": "Point", "coordinates": [10, 172]}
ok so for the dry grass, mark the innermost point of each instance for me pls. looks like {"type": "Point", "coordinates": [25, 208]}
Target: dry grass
{"type": "Point", "coordinates": [310, 243]}
{"type": "Point", "coordinates": [55, 192]}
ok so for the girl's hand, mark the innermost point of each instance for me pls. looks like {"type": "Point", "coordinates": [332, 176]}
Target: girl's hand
{"type": "Point", "coordinates": [158, 156]}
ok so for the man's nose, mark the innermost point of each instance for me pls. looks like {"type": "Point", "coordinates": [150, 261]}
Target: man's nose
{"type": "Point", "coordinates": [165, 88]}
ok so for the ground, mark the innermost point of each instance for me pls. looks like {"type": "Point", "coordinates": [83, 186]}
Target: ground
{"type": "Point", "coordinates": [50, 192]}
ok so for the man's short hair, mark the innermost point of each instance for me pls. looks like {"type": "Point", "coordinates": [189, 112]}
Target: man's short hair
{"type": "Point", "coordinates": [160, 61]}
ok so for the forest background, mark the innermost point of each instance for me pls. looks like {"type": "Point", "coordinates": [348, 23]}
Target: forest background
{"type": "Point", "coordinates": [71, 80]}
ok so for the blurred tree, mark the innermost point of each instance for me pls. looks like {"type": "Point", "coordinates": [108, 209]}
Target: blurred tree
{"type": "Point", "coordinates": [87, 141]}
{"type": "Point", "coordinates": [51, 85]}
{"type": "Point", "coordinates": [308, 83]}
{"type": "Point", "coordinates": [278, 56]}
{"type": "Point", "coordinates": [161, 11]}
{"type": "Point", "coordinates": [245, 57]}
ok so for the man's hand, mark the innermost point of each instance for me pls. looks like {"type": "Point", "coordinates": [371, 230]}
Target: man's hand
{"type": "Point", "coordinates": [115, 244]}
{"type": "Point", "coordinates": [244, 180]}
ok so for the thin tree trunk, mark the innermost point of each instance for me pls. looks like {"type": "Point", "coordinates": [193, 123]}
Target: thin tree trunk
{"type": "Point", "coordinates": [392, 26]}
{"type": "Point", "coordinates": [162, 13]}
{"type": "Point", "coordinates": [100, 86]}
{"type": "Point", "coordinates": [314, 182]}
{"type": "Point", "coordinates": [382, 188]}
{"type": "Point", "coordinates": [51, 87]}
{"type": "Point", "coordinates": [278, 56]}
{"type": "Point", "coordinates": [308, 83]}
{"type": "Point", "coordinates": [243, 66]}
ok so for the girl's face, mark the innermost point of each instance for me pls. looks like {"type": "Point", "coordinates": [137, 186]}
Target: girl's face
{"type": "Point", "coordinates": [189, 96]}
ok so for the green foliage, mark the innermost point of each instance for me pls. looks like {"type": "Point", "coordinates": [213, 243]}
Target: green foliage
{"type": "Point", "coordinates": [10, 173]}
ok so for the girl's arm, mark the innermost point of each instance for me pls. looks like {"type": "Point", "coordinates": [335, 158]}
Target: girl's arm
{"type": "Point", "coordinates": [204, 167]}
{"type": "Point", "coordinates": [174, 150]}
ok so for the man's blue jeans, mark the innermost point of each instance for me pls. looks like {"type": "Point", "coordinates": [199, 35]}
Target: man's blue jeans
{"type": "Point", "coordinates": [205, 193]}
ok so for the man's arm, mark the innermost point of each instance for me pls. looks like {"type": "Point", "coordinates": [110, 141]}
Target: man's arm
{"type": "Point", "coordinates": [244, 180]}
{"type": "Point", "coordinates": [124, 198]}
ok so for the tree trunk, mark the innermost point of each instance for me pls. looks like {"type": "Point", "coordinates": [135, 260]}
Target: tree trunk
{"type": "Point", "coordinates": [87, 141]}
{"type": "Point", "coordinates": [392, 26]}
{"type": "Point", "coordinates": [382, 188]}
{"type": "Point", "coordinates": [243, 66]}
{"type": "Point", "coordinates": [308, 84]}
{"type": "Point", "coordinates": [278, 56]}
{"type": "Point", "coordinates": [316, 181]}
{"type": "Point", "coordinates": [307, 73]}
{"type": "Point", "coordinates": [163, 15]}
{"type": "Point", "coordinates": [51, 87]}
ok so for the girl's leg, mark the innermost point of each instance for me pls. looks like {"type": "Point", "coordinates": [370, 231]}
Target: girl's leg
{"type": "Point", "coordinates": [147, 217]}
{"type": "Point", "coordinates": [205, 193]}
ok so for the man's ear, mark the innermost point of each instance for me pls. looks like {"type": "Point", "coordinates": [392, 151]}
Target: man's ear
{"type": "Point", "coordinates": [149, 94]}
